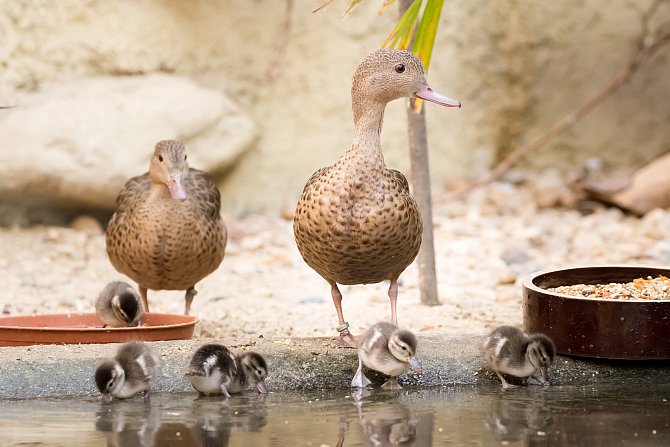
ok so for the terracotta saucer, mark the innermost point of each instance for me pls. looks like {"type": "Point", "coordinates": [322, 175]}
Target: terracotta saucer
{"type": "Point", "coordinates": [76, 328]}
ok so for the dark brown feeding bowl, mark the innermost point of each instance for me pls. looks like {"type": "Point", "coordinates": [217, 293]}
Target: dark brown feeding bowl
{"type": "Point", "coordinates": [594, 327]}
{"type": "Point", "coordinates": [75, 328]}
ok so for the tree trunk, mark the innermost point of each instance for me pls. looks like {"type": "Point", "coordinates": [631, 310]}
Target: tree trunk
{"type": "Point", "coordinates": [418, 150]}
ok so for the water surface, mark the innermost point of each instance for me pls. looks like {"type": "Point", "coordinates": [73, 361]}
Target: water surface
{"type": "Point", "coordinates": [459, 416]}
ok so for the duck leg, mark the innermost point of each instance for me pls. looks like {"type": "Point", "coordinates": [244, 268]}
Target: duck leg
{"type": "Point", "coordinates": [190, 293]}
{"type": "Point", "coordinates": [143, 294]}
{"type": "Point", "coordinates": [505, 384]}
{"type": "Point", "coordinates": [393, 296]}
{"type": "Point", "coordinates": [345, 336]}
{"type": "Point", "coordinates": [391, 384]}
{"type": "Point", "coordinates": [359, 379]}
{"type": "Point", "coordinates": [224, 390]}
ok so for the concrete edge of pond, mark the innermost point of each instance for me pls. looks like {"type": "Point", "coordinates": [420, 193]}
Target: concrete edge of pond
{"type": "Point", "coordinates": [295, 364]}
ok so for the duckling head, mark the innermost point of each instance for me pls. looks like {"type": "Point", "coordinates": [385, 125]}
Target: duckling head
{"type": "Point", "coordinates": [109, 377]}
{"type": "Point", "coordinates": [127, 307]}
{"type": "Point", "coordinates": [388, 74]}
{"type": "Point", "coordinates": [402, 345]}
{"type": "Point", "coordinates": [255, 369]}
{"type": "Point", "coordinates": [169, 166]}
{"type": "Point", "coordinates": [541, 353]}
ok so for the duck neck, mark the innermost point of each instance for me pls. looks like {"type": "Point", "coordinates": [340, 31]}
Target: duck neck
{"type": "Point", "coordinates": [159, 191]}
{"type": "Point", "coordinates": [368, 118]}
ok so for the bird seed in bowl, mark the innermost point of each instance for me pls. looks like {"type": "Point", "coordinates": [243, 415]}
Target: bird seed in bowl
{"type": "Point", "coordinates": [639, 289]}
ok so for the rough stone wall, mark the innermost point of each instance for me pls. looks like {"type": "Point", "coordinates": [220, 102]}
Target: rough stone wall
{"type": "Point", "coordinates": [516, 66]}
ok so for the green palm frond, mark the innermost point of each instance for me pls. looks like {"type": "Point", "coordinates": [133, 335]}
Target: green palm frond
{"type": "Point", "coordinates": [401, 35]}
{"type": "Point", "coordinates": [416, 31]}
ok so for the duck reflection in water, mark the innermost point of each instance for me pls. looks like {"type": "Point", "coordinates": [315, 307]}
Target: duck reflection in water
{"type": "Point", "coordinates": [209, 422]}
{"type": "Point", "coordinates": [126, 425]}
{"type": "Point", "coordinates": [511, 418]}
{"type": "Point", "coordinates": [388, 422]}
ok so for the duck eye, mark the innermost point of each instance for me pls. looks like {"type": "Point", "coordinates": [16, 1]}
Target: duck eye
{"type": "Point", "coordinates": [160, 158]}
{"type": "Point", "coordinates": [400, 68]}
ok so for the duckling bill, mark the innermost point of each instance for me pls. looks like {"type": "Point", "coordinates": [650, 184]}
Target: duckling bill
{"type": "Point", "coordinates": [215, 370]}
{"type": "Point", "coordinates": [508, 350]}
{"type": "Point", "coordinates": [387, 349]}
{"type": "Point", "coordinates": [132, 370]}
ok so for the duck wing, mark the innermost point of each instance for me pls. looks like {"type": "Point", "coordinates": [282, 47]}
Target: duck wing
{"type": "Point", "coordinates": [133, 192]}
{"type": "Point", "coordinates": [204, 193]}
{"type": "Point", "coordinates": [315, 177]}
{"type": "Point", "coordinates": [400, 180]}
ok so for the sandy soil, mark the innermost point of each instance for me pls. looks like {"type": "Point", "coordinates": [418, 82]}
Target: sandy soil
{"type": "Point", "coordinates": [263, 287]}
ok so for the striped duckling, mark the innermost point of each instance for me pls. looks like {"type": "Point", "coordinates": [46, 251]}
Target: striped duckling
{"type": "Point", "coordinates": [132, 370]}
{"type": "Point", "coordinates": [508, 350]}
{"type": "Point", "coordinates": [387, 349]}
{"type": "Point", "coordinates": [215, 370]}
{"type": "Point", "coordinates": [119, 305]}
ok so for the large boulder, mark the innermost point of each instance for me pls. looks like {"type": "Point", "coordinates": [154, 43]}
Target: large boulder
{"type": "Point", "coordinates": [73, 145]}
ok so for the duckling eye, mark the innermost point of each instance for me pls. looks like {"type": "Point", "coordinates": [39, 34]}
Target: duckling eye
{"type": "Point", "coordinates": [404, 348]}
{"type": "Point", "coordinates": [160, 158]}
{"type": "Point", "coordinates": [400, 68]}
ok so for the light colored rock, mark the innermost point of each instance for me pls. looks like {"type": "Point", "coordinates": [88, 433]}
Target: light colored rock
{"type": "Point", "coordinates": [86, 224]}
{"type": "Point", "coordinates": [76, 143]}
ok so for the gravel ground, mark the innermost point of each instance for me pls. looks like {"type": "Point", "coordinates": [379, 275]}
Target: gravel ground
{"type": "Point", "coordinates": [484, 245]}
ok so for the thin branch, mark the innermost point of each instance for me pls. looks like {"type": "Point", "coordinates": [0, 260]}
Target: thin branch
{"type": "Point", "coordinates": [274, 70]}
{"type": "Point", "coordinates": [324, 5]}
{"type": "Point", "coordinates": [648, 44]}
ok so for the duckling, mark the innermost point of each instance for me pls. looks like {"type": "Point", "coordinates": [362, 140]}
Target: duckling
{"type": "Point", "coordinates": [133, 369]}
{"type": "Point", "coordinates": [212, 369]}
{"type": "Point", "coordinates": [119, 305]}
{"type": "Point", "coordinates": [508, 350]}
{"type": "Point", "coordinates": [387, 349]}
{"type": "Point", "coordinates": [215, 370]}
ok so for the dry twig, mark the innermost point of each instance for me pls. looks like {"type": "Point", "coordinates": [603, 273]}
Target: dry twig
{"type": "Point", "coordinates": [275, 68]}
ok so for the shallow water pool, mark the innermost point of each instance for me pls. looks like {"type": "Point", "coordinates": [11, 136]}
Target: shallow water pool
{"type": "Point", "coordinates": [459, 416]}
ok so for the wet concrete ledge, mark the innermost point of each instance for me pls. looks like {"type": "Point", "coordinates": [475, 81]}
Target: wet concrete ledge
{"type": "Point", "coordinates": [312, 363]}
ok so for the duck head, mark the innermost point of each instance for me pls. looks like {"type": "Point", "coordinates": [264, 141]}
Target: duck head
{"type": "Point", "coordinates": [127, 306]}
{"type": "Point", "coordinates": [169, 166]}
{"type": "Point", "coordinates": [541, 353]}
{"type": "Point", "coordinates": [389, 74]}
{"type": "Point", "coordinates": [109, 377]}
{"type": "Point", "coordinates": [255, 370]}
{"type": "Point", "coordinates": [402, 345]}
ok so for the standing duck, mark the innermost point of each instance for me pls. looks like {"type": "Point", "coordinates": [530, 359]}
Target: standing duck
{"type": "Point", "coordinates": [131, 371]}
{"type": "Point", "coordinates": [167, 232]}
{"type": "Point", "coordinates": [387, 349]}
{"type": "Point", "coordinates": [356, 221]}
{"type": "Point", "coordinates": [119, 305]}
{"type": "Point", "coordinates": [510, 351]}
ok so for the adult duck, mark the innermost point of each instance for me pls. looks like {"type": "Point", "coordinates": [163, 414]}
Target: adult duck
{"type": "Point", "coordinates": [167, 232]}
{"type": "Point", "coordinates": [356, 221]}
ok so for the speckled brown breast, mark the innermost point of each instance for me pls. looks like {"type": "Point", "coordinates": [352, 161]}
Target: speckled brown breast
{"type": "Point", "coordinates": [357, 226]}
{"type": "Point", "coordinates": [165, 243]}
